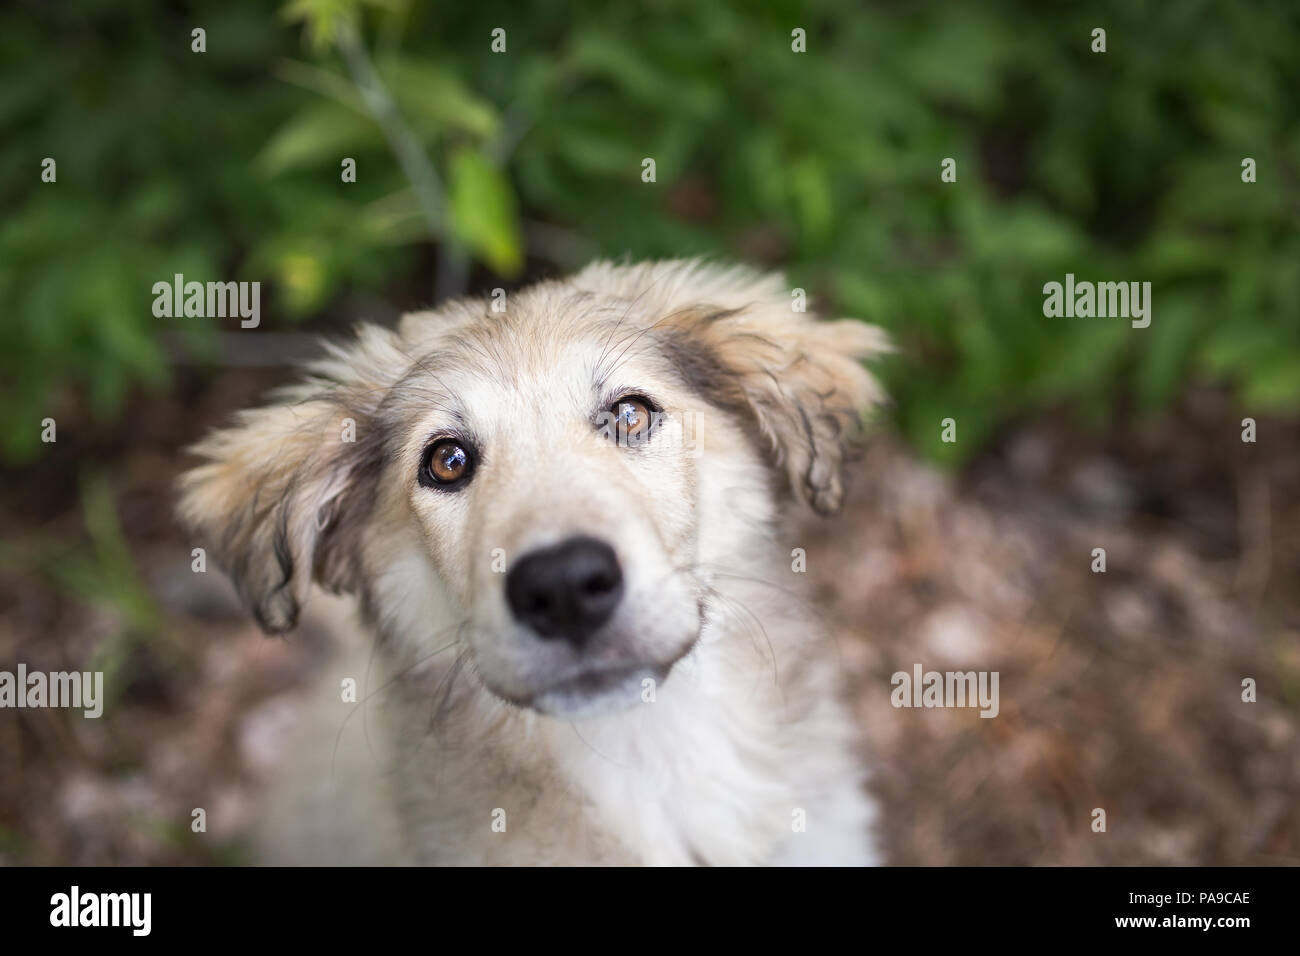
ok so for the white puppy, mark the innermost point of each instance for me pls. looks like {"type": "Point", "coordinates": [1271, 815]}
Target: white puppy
{"type": "Point", "coordinates": [575, 634]}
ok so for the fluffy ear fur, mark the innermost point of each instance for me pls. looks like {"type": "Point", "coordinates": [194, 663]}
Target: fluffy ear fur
{"type": "Point", "coordinates": [801, 383]}
{"type": "Point", "coordinates": [736, 338]}
{"type": "Point", "coordinates": [282, 494]}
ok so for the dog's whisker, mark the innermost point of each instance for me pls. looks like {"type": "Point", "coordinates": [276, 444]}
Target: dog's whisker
{"type": "Point", "coordinates": [626, 312]}
{"type": "Point", "coordinates": [391, 682]}
{"type": "Point", "coordinates": [438, 700]}
{"type": "Point", "coordinates": [730, 602]}
{"type": "Point", "coordinates": [636, 336]}
{"type": "Point", "coordinates": [443, 701]}
{"type": "Point", "coordinates": [603, 756]}
{"type": "Point", "coordinates": [723, 571]}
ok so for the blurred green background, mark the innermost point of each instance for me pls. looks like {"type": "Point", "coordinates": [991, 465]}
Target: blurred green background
{"type": "Point", "coordinates": [226, 165]}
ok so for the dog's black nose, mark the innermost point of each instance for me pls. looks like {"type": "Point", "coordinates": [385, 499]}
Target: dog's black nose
{"type": "Point", "coordinates": [566, 591]}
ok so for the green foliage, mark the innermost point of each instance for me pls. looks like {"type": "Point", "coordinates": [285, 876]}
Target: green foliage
{"type": "Point", "coordinates": [483, 211]}
{"type": "Point", "coordinates": [1117, 166]}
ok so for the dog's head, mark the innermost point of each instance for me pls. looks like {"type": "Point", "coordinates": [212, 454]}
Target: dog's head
{"type": "Point", "coordinates": [548, 482]}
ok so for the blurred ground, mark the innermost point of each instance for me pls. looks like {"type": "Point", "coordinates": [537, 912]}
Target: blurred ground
{"type": "Point", "coordinates": [1120, 691]}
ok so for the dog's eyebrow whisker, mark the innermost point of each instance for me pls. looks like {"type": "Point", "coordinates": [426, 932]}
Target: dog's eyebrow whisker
{"type": "Point", "coordinates": [481, 347]}
{"type": "Point", "coordinates": [405, 383]}
{"type": "Point", "coordinates": [435, 398]}
{"type": "Point", "coordinates": [636, 335]}
{"type": "Point", "coordinates": [631, 305]}
{"type": "Point", "coordinates": [626, 312]}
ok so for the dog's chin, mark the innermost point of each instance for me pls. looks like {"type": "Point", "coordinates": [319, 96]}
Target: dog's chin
{"type": "Point", "coordinates": [596, 692]}
{"type": "Point", "coordinates": [603, 685]}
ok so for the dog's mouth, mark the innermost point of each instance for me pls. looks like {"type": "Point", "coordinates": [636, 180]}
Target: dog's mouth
{"type": "Point", "coordinates": [604, 681]}
{"type": "Point", "coordinates": [599, 690]}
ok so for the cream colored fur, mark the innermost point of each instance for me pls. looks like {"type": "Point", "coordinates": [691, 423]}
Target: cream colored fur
{"type": "Point", "coordinates": [744, 754]}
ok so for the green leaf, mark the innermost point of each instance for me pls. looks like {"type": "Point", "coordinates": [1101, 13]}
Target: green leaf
{"type": "Point", "coordinates": [483, 212]}
{"type": "Point", "coordinates": [322, 134]}
{"type": "Point", "coordinates": [435, 99]}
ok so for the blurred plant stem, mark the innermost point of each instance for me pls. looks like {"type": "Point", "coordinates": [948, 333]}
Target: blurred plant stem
{"type": "Point", "coordinates": [453, 260]}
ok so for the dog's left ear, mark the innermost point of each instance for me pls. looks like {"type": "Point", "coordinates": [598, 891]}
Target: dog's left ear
{"type": "Point", "coordinates": [799, 382]}
{"type": "Point", "coordinates": [282, 495]}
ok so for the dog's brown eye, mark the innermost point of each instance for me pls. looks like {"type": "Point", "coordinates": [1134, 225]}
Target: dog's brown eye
{"type": "Point", "coordinates": [446, 463]}
{"type": "Point", "coordinates": [631, 417]}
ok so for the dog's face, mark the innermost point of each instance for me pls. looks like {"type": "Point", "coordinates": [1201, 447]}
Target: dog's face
{"type": "Point", "coordinates": [553, 473]}
{"type": "Point", "coordinates": [551, 482]}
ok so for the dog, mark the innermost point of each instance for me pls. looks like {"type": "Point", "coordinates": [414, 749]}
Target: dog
{"type": "Point", "coordinates": [547, 531]}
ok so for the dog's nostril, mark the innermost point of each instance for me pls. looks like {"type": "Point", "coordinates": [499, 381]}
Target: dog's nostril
{"type": "Point", "coordinates": [566, 591]}
{"type": "Point", "coordinates": [598, 585]}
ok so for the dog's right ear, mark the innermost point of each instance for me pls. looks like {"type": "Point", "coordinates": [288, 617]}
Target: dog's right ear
{"type": "Point", "coordinates": [283, 493]}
